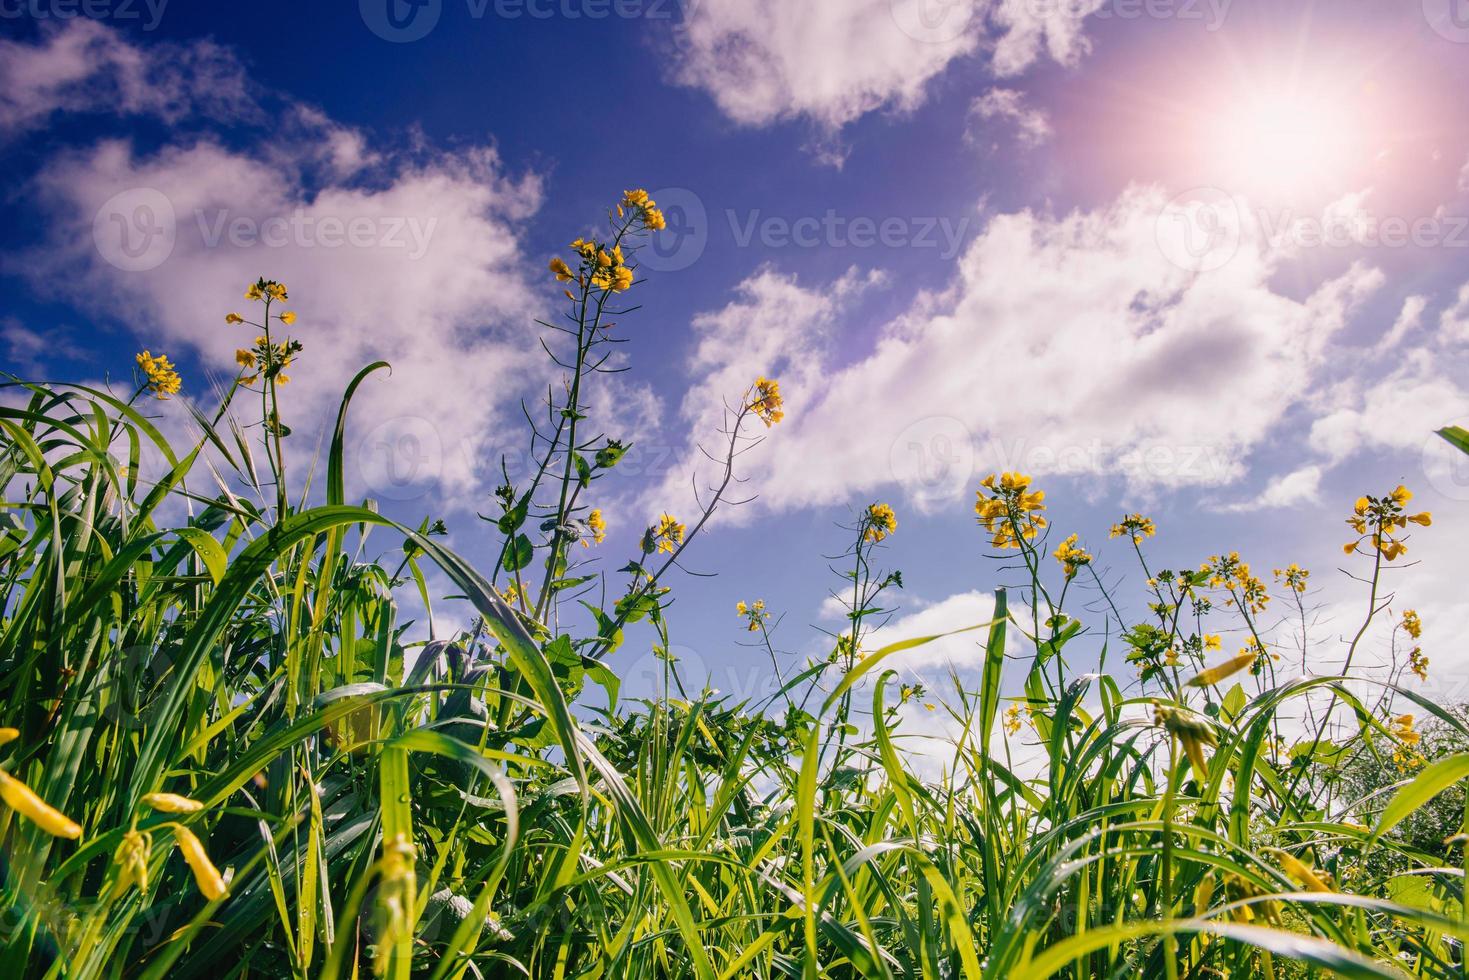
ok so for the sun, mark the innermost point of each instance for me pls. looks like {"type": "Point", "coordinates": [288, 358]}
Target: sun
{"type": "Point", "coordinates": [1285, 143]}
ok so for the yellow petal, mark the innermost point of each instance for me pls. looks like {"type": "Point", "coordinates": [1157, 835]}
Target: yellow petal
{"type": "Point", "coordinates": [8, 735]}
{"type": "Point", "coordinates": [1300, 871]}
{"type": "Point", "coordinates": [1216, 674]}
{"type": "Point", "coordinates": [205, 873]}
{"type": "Point", "coordinates": [18, 796]}
{"type": "Point", "coordinates": [172, 803]}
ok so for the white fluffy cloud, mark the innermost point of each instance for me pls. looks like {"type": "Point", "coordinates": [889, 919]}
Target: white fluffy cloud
{"type": "Point", "coordinates": [1454, 322]}
{"type": "Point", "coordinates": [86, 67]}
{"type": "Point", "coordinates": [413, 258]}
{"type": "Point", "coordinates": [832, 61]}
{"type": "Point", "coordinates": [1031, 124]}
{"type": "Point", "coordinates": [1066, 345]}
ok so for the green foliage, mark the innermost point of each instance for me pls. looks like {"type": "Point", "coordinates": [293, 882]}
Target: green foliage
{"type": "Point", "coordinates": [379, 797]}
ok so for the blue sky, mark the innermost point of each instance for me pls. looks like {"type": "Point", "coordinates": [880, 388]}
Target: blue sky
{"type": "Point", "coordinates": [1207, 260]}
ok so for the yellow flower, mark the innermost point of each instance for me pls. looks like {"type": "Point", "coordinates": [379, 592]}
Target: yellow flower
{"type": "Point", "coordinates": [255, 292]}
{"type": "Point", "coordinates": [647, 209]}
{"type": "Point", "coordinates": [1213, 642]}
{"type": "Point", "coordinates": [618, 280]}
{"type": "Point", "coordinates": [1294, 577]}
{"type": "Point", "coordinates": [1216, 674]}
{"type": "Point", "coordinates": [1402, 727]}
{"type": "Point", "coordinates": [881, 521]}
{"type": "Point", "coordinates": [276, 290]}
{"type": "Point", "coordinates": [1136, 527]}
{"type": "Point", "coordinates": [245, 358]}
{"type": "Point", "coordinates": [288, 317]}
{"type": "Point", "coordinates": [1192, 732]}
{"type": "Point", "coordinates": [598, 526]}
{"type": "Point", "coordinates": [211, 884]}
{"type": "Point", "coordinates": [172, 803]}
{"type": "Point", "coordinates": [1424, 519]}
{"type": "Point", "coordinates": [132, 855]}
{"type": "Point", "coordinates": [1013, 720]}
{"type": "Point", "coordinates": [8, 735]}
{"type": "Point", "coordinates": [754, 613]}
{"type": "Point", "coordinates": [1072, 556]}
{"type": "Point", "coordinates": [1300, 871]}
{"type": "Point", "coordinates": [561, 269]}
{"type": "Point", "coordinates": [767, 403]}
{"type": "Point", "coordinates": [18, 796]}
{"type": "Point", "coordinates": [162, 379]}
{"type": "Point", "coordinates": [1412, 624]}
{"type": "Point", "coordinates": [1013, 512]}
{"type": "Point", "coordinates": [668, 534]}
{"type": "Point", "coordinates": [233, 318]}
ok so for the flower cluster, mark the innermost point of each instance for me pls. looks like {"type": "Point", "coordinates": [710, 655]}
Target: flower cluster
{"type": "Point", "coordinates": [880, 522]}
{"type": "Point", "coordinates": [646, 208]}
{"type": "Point", "coordinates": [160, 377]}
{"type": "Point", "coordinates": [754, 613]}
{"type": "Point", "coordinates": [1011, 511]}
{"type": "Point", "coordinates": [1405, 757]}
{"type": "Point", "coordinates": [1417, 661]}
{"type": "Point", "coordinates": [1072, 556]}
{"type": "Point", "coordinates": [1294, 576]}
{"type": "Point", "coordinates": [1015, 717]}
{"type": "Point", "coordinates": [1378, 519]}
{"type": "Point", "coordinates": [267, 357]}
{"type": "Point", "coordinates": [1234, 575]}
{"type": "Point", "coordinates": [597, 527]}
{"type": "Point", "coordinates": [766, 401]}
{"type": "Point", "coordinates": [1134, 526]}
{"type": "Point", "coordinates": [1193, 733]}
{"type": "Point", "coordinates": [666, 535]}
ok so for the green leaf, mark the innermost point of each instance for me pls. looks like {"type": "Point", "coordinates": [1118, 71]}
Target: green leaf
{"type": "Point", "coordinates": [1457, 437]}
{"type": "Point", "coordinates": [1433, 780]}
{"type": "Point", "coordinates": [519, 554]}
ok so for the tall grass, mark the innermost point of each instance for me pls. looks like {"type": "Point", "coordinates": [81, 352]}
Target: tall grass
{"type": "Point", "coordinates": [230, 754]}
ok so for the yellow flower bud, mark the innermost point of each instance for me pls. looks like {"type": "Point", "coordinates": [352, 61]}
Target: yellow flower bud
{"type": "Point", "coordinates": [1216, 674]}
{"type": "Point", "coordinates": [172, 803]}
{"type": "Point", "coordinates": [18, 796]}
{"type": "Point", "coordinates": [205, 873]}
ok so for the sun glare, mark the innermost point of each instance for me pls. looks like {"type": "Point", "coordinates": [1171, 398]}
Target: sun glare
{"type": "Point", "coordinates": [1277, 143]}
